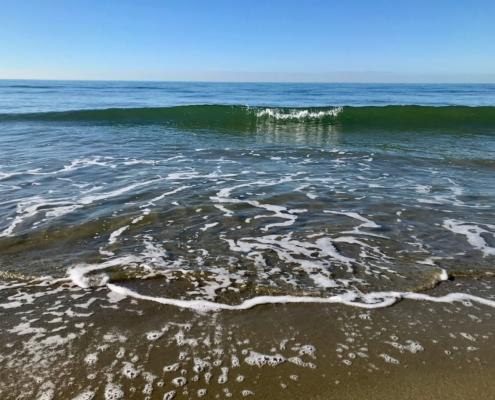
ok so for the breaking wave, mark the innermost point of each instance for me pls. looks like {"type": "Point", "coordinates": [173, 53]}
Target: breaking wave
{"type": "Point", "coordinates": [245, 118]}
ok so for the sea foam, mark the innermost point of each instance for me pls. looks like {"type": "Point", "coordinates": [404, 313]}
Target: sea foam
{"type": "Point", "coordinates": [361, 300]}
{"type": "Point", "coordinates": [298, 114]}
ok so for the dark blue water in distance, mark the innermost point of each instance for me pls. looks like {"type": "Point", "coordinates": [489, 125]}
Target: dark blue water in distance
{"type": "Point", "coordinates": [33, 96]}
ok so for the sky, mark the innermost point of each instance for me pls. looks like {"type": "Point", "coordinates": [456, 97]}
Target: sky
{"type": "Point", "coordinates": [256, 40]}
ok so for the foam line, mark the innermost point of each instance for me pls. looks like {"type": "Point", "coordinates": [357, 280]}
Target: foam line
{"type": "Point", "coordinates": [163, 195]}
{"type": "Point", "coordinates": [370, 300]}
{"type": "Point", "coordinates": [77, 273]}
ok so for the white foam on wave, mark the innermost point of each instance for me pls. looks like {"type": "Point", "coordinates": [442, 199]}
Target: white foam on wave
{"type": "Point", "coordinates": [8, 175]}
{"type": "Point", "coordinates": [443, 276]}
{"type": "Point", "coordinates": [452, 195]}
{"type": "Point", "coordinates": [297, 252]}
{"type": "Point", "coordinates": [54, 208]}
{"type": "Point", "coordinates": [151, 261]}
{"type": "Point", "coordinates": [208, 226]}
{"type": "Point", "coordinates": [361, 300]}
{"type": "Point", "coordinates": [117, 192]}
{"type": "Point", "coordinates": [163, 195]}
{"type": "Point", "coordinates": [223, 196]}
{"type": "Point", "coordinates": [314, 258]}
{"type": "Point", "coordinates": [87, 162]}
{"type": "Point", "coordinates": [74, 165]}
{"type": "Point", "coordinates": [30, 207]}
{"type": "Point", "coordinates": [79, 273]}
{"type": "Point", "coordinates": [135, 161]}
{"type": "Point", "coordinates": [366, 223]}
{"type": "Point", "coordinates": [154, 254]}
{"type": "Point", "coordinates": [423, 189]}
{"type": "Point", "coordinates": [188, 175]}
{"type": "Point", "coordinates": [473, 234]}
{"type": "Point", "coordinates": [298, 114]}
{"type": "Point", "coordinates": [115, 234]}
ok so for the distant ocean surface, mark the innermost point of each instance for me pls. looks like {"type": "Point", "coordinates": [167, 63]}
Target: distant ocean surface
{"type": "Point", "coordinates": [42, 96]}
{"type": "Point", "coordinates": [225, 196]}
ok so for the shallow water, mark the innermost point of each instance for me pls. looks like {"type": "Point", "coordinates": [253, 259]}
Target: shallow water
{"type": "Point", "coordinates": [291, 198]}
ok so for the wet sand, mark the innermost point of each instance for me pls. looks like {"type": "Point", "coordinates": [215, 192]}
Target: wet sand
{"type": "Point", "coordinates": [112, 348]}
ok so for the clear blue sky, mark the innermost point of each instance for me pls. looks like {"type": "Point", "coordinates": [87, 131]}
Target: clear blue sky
{"type": "Point", "coordinates": [256, 40]}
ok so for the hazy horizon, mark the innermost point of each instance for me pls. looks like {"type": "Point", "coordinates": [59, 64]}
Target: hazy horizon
{"type": "Point", "coordinates": [343, 82]}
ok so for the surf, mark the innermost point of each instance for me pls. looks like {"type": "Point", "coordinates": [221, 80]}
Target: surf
{"type": "Point", "coordinates": [246, 118]}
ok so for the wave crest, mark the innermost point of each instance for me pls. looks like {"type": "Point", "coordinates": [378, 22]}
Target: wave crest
{"type": "Point", "coordinates": [236, 118]}
{"type": "Point", "coordinates": [298, 114]}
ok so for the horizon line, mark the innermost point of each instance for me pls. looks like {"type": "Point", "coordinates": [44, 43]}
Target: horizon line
{"type": "Point", "coordinates": [255, 82]}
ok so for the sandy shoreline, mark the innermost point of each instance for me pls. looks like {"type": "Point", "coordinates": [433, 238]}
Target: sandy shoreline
{"type": "Point", "coordinates": [63, 344]}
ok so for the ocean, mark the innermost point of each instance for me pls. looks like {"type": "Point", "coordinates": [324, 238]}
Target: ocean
{"type": "Point", "coordinates": [174, 239]}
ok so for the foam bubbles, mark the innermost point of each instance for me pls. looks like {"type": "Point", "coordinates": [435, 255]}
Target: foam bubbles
{"type": "Point", "coordinates": [389, 359]}
{"type": "Point", "coordinates": [129, 371]}
{"type": "Point", "coordinates": [261, 360]}
{"type": "Point", "coordinates": [179, 381]}
{"type": "Point", "coordinates": [91, 358]}
{"type": "Point", "coordinates": [170, 395]}
{"type": "Point", "coordinates": [113, 392]}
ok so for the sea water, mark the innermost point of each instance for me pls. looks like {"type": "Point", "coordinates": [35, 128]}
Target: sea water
{"type": "Point", "coordinates": [219, 197]}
